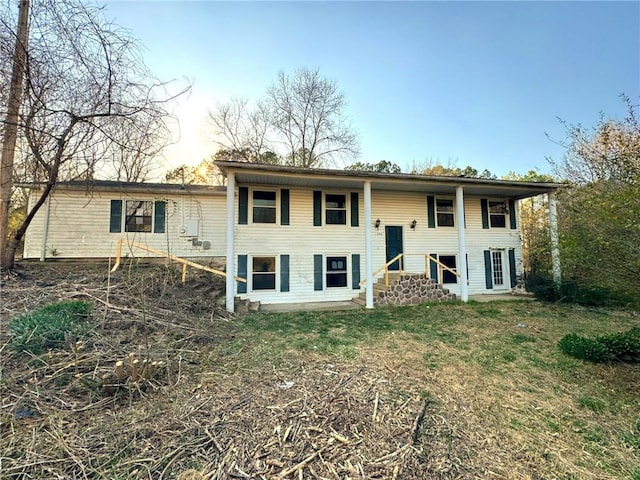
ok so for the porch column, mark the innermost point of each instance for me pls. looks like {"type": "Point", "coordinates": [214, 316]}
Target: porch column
{"type": "Point", "coordinates": [230, 267]}
{"type": "Point", "coordinates": [462, 246]}
{"type": "Point", "coordinates": [553, 228]}
{"type": "Point", "coordinates": [368, 245]}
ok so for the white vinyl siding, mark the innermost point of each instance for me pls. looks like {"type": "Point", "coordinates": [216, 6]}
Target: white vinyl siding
{"type": "Point", "coordinates": [79, 226]}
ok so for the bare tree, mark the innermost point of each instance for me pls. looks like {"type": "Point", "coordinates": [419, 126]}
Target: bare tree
{"type": "Point", "coordinates": [86, 92]}
{"type": "Point", "coordinates": [300, 121]}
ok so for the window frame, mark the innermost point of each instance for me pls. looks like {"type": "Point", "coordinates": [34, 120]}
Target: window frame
{"type": "Point", "coordinates": [446, 273]}
{"type": "Point", "coordinates": [254, 272]}
{"type": "Point", "coordinates": [127, 218]}
{"type": "Point", "coordinates": [275, 206]}
{"type": "Point", "coordinates": [452, 213]}
{"type": "Point", "coordinates": [328, 209]}
{"type": "Point", "coordinates": [341, 272]}
{"type": "Point", "coordinates": [492, 215]}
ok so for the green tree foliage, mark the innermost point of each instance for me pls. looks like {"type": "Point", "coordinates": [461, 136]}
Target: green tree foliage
{"type": "Point", "coordinates": [383, 166]}
{"type": "Point", "coordinates": [534, 225]}
{"type": "Point", "coordinates": [435, 168]}
{"type": "Point", "coordinates": [599, 213]}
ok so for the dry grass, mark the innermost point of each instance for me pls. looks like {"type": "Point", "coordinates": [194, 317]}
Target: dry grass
{"type": "Point", "coordinates": [438, 392]}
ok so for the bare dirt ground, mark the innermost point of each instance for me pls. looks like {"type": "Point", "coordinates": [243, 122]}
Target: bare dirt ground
{"type": "Point", "coordinates": [205, 415]}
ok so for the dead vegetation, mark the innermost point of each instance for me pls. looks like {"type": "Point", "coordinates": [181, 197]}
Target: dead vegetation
{"type": "Point", "coordinates": [91, 411]}
{"type": "Point", "coordinates": [163, 388]}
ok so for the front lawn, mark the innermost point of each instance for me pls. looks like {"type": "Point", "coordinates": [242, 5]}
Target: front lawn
{"type": "Point", "coordinates": [431, 391]}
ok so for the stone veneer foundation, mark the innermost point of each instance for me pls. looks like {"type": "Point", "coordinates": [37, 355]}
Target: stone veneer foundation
{"type": "Point", "coordinates": [410, 289]}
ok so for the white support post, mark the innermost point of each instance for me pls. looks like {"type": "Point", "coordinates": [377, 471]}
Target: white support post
{"type": "Point", "coordinates": [553, 229]}
{"type": "Point", "coordinates": [368, 245]}
{"type": "Point", "coordinates": [462, 245]}
{"type": "Point", "coordinates": [230, 267]}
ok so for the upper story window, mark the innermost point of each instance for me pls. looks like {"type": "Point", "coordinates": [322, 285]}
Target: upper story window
{"type": "Point", "coordinates": [444, 212]}
{"type": "Point", "coordinates": [336, 209]}
{"type": "Point", "coordinates": [498, 214]}
{"type": "Point", "coordinates": [264, 206]}
{"type": "Point", "coordinates": [139, 216]}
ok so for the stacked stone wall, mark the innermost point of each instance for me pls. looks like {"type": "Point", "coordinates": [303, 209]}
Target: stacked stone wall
{"type": "Point", "coordinates": [411, 289]}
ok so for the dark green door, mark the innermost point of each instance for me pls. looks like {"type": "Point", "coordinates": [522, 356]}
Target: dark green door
{"type": "Point", "coordinates": [393, 239]}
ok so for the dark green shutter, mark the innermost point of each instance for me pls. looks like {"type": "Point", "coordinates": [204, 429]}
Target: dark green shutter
{"type": "Point", "coordinates": [284, 206]}
{"type": "Point", "coordinates": [512, 267]}
{"type": "Point", "coordinates": [433, 267]}
{"type": "Point", "coordinates": [355, 271]}
{"type": "Point", "coordinates": [488, 269]}
{"type": "Point", "coordinates": [431, 211]}
{"type": "Point", "coordinates": [317, 272]}
{"type": "Point", "coordinates": [512, 214]}
{"type": "Point", "coordinates": [159, 211]}
{"type": "Point", "coordinates": [115, 219]}
{"type": "Point", "coordinates": [354, 209]}
{"type": "Point", "coordinates": [242, 273]}
{"type": "Point", "coordinates": [485, 213]}
{"type": "Point", "coordinates": [243, 205]}
{"type": "Point", "coordinates": [317, 208]}
{"type": "Point", "coordinates": [284, 273]}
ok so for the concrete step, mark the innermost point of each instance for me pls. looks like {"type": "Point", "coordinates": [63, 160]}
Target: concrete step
{"type": "Point", "coordinates": [360, 301]}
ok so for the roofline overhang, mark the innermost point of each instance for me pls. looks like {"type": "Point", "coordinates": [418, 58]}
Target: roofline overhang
{"type": "Point", "coordinates": [132, 187]}
{"type": "Point", "coordinates": [390, 181]}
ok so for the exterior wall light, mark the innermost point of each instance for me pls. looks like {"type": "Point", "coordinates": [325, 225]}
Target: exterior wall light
{"type": "Point", "coordinates": [377, 225]}
{"type": "Point", "coordinates": [413, 224]}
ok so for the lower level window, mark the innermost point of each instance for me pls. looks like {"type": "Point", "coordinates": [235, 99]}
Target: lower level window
{"type": "Point", "coordinates": [447, 275]}
{"type": "Point", "coordinates": [139, 216]}
{"type": "Point", "coordinates": [336, 271]}
{"type": "Point", "coordinates": [264, 273]}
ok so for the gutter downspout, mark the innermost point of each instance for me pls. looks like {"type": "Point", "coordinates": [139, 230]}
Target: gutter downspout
{"type": "Point", "coordinates": [230, 268]}
{"type": "Point", "coordinates": [462, 246]}
{"type": "Point", "coordinates": [45, 230]}
{"type": "Point", "coordinates": [368, 248]}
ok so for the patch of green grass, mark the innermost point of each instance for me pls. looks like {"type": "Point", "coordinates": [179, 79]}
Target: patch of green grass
{"type": "Point", "coordinates": [50, 327]}
{"type": "Point", "coordinates": [591, 403]}
{"type": "Point", "coordinates": [519, 338]}
{"type": "Point", "coordinates": [632, 438]}
{"type": "Point", "coordinates": [595, 435]}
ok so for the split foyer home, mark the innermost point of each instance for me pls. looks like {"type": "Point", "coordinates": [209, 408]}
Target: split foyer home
{"type": "Point", "coordinates": [293, 235]}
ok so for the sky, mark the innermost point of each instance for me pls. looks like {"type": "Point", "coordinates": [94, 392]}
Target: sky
{"type": "Point", "coordinates": [459, 83]}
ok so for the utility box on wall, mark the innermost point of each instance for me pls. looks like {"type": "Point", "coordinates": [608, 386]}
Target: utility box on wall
{"type": "Point", "coordinates": [191, 228]}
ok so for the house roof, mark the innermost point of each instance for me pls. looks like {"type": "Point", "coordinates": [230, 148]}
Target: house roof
{"type": "Point", "coordinates": [133, 187]}
{"type": "Point", "coordinates": [263, 174]}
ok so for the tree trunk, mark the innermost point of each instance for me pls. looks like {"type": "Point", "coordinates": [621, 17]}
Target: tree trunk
{"type": "Point", "coordinates": [7, 254]}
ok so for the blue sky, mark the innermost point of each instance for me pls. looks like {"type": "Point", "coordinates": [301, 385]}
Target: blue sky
{"type": "Point", "coordinates": [467, 83]}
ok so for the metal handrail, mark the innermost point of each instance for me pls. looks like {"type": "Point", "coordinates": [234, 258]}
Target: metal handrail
{"type": "Point", "coordinates": [185, 263]}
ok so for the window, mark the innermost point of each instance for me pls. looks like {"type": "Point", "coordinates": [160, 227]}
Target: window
{"type": "Point", "coordinates": [139, 216]}
{"type": "Point", "coordinates": [264, 207]}
{"type": "Point", "coordinates": [336, 271]}
{"type": "Point", "coordinates": [449, 261]}
{"type": "Point", "coordinates": [264, 273]}
{"type": "Point", "coordinates": [497, 214]}
{"type": "Point", "coordinates": [336, 209]}
{"type": "Point", "coordinates": [444, 212]}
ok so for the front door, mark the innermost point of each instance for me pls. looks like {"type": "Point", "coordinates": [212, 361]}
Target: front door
{"type": "Point", "coordinates": [393, 240]}
{"type": "Point", "coordinates": [499, 269]}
